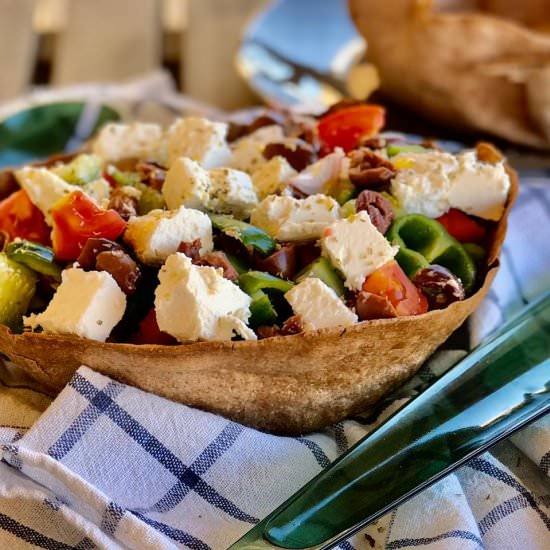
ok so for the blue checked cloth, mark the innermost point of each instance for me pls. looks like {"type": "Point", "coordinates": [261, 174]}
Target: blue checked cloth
{"type": "Point", "coordinates": [110, 466]}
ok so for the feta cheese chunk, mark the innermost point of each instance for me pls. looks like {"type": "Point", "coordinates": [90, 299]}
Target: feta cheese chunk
{"type": "Point", "coordinates": [139, 140]}
{"type": "Point", "coordinates": [479, 188]}
{"type": "Point", "coordinates": [318, 306]}
{"type": "Point", "coordinates": [100, 191]}
{"type": "Point", "coordinates": [290, 219]}
{"type": "Point", "coordinates": [248, 151]}
{"type": "Point", "coordinates": [221, 190]}
{"type": "Point", "coordinates": [356, 248]}
{"type": "Point", "coordinates": [200, 140]}
{"type": "Point", "coordinates": [158, 234]}
{"type": "Point", "coordinates": [87, 304]}
{"type": "Point", "coordinates": [44, 188]}
{"type": "Point", "coordinates": [422, 186]}
{"type": "Point", "coordinates": [187, 183]}
{"type": "Point", "coordinates": [231, 192]}
{"type": "Point", "coordinates": [197, 303]}
{"type": "Point", "coordinates": [271, 178]}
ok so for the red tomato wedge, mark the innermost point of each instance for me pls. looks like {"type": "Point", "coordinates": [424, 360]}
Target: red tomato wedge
{"type": "Point", "coordinates": [76, 218]}
{"type": "Point", "coordinates": [150, 333]}
{"type": "Point", "coordinates": [19, 217]}
{"type": "Point", "coordinates": [462, 227]}
{"type": "Point", "coordinates": [391, 282]}
{"type": "Point", "coordinates": [346, 127]}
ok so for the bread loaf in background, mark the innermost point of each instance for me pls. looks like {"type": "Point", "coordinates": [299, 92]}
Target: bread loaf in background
{"type": "Point", "coordinates": [468, 69]}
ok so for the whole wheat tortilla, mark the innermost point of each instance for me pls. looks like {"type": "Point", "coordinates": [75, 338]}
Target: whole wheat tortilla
{"type": "Point", "coordinates": [286, 384]}
{"type": "Point", "coordinates": [467, 70]}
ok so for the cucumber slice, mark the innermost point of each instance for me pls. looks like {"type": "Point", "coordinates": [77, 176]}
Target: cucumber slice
{"type": "Point", "coordinates": [150, 199]}
{"type": "Point", "coordinates": [17, 287]}
{"type": "Point", "coordinates": [35, 256]}
{"type": "Point", "coordinates": [322, 269]}
{"type": "Point", "coordinates": [249, 235]}
{"type": "Point", "coordinates": [347, 209]}
{"type": "Point", "coordinates": [82, 169]}
{"type": "Point", "coordinates": [341, 190]}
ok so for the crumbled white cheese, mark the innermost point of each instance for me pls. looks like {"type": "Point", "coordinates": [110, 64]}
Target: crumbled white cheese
{"type": "Point", "coordinates": [88, 304]}
{"type": "Point", "coordinates": [271, 177]}
{"type": "Point", "coordinates": [431, 183]}
{"type": "Point", "coordinates": [222, 190]}
{"type": "Point", "coordinates": [187, 183]}
{"type": "Point", "coordinates": [99, 190]}
{"type": "Point", "coordinates": [197, 303]}
{"type": "Point", "coordinates": [290, 219]}
{"type": "Point", "coordinates": [158, 234]}
{"type": "Point", "coordinates": [200, 140]}
{"type": "Point", "coordinates": [248, 151]}
{"type": "Point", "coordinates": [356, 248]}
{"type": "Point", "coordinates": [44, 188]}
{"type": "Point", "coordinates": [139, 140]}
{"type": "Point", "coordinates": [318, 306]}
{"type": "Point", "coordinates": [422, 184]}
{"type": "Point", "coordinates": [479, 188]}
{"type": "Point", "coordinates": [231, 192]}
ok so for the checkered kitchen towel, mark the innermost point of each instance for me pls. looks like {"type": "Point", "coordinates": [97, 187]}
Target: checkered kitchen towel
{"type": "Point", "coordinates": [109, 466]}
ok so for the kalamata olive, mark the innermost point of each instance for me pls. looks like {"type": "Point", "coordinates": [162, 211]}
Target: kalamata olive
{"type": "Point", "coordinates": [371, 306]}
{"type": "Point", "coordinates": [369, 170]}
{"type": "Point", "coordinates": [232, 246]}
{"type": "Point", "coordinates": [219, 260]}
{"type": "Point", "coordinates": [93, 247]}
{"type": "Point", "coordinates": [269, 118]}
{"type": "Point", "coordinates": [122, 267]}
{"type": "Point", "coordinates": [151, 173]}
{"type": "Point", "coordinates": [282, 263]}
{"type": "Point", "coordinates": [124, 203]}
{"type": "Point", "coordinates": [439, 285]}
{"type": "Point", "coordinates": [298, 153]}
{"type": "Point", "coordinates": [293, 325]}
{"type": "Point", "coordinates": [191, 249]}
{"type": "Point", "coordinates": [378, 208]}
{"type": "Point", "coordinates": [306, 252]}
{"type": "Point", "coordinates": [236, 131]}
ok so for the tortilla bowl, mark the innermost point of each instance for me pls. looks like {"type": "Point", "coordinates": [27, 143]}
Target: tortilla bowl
{"type": "Point", "coordinates": [285, 384]}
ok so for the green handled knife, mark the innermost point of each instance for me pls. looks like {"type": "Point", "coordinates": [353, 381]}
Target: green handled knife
{"type": "Point", "coordinates": [500, 387]}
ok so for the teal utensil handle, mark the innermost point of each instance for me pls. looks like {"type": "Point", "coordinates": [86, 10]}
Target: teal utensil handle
{"type": "Point", "coordinates": [501, 386]}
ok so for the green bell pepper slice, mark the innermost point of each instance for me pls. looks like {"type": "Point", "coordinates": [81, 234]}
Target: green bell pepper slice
{"type": "Point", "coordinates": [393, 149]}
{"type": "Point", "coordinates": [239, 264]}
{"type": "Point", "coordinates": [423, 241]}
{"type": "Point", "coordinates": [476, 252]}
{"type": "Point", "coordinates": [252, 281]}
{"type": "Point", "coordinates": [322, 269]}
{"type": "Point", "coordinates": [267, 293]}
{"type": "Point", "coordinates": [35, 256]}
{"type": "Point", "coordinates": [248, 234]}
{"type": "Point", "coordinates": [262, 311]}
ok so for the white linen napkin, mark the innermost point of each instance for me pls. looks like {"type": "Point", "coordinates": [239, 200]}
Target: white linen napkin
{"type": "Point", "coordinates": [111, 466]}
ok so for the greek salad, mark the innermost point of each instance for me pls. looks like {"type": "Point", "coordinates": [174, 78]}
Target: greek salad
{"type": "Point", "coordinates": [213, 231]}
